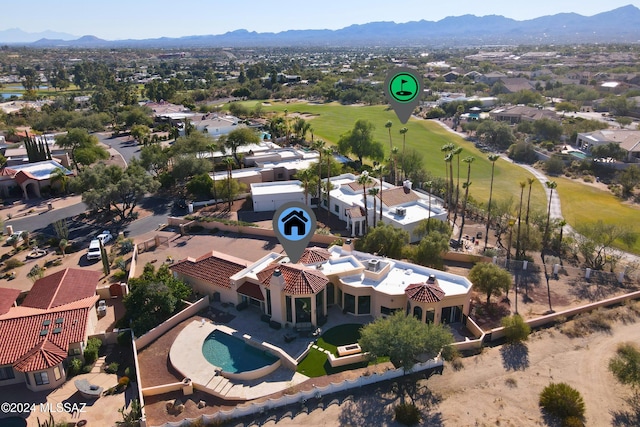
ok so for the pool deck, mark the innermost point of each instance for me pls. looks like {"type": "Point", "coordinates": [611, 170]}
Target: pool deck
{"type": "Point", "coordinates": [187, 358]}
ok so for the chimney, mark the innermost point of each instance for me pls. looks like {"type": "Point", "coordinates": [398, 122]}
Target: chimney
{"type": "Point", "coordinates": [277, 279]}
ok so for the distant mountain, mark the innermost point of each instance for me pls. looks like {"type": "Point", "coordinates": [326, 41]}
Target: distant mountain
{"type": "Point", "coordinates": [620, 25]}
{"type": "Point", "coordinates": [16, 35]}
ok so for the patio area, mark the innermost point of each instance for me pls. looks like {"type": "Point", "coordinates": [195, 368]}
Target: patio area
{"type": "Point", "coordinates": [66, 404]}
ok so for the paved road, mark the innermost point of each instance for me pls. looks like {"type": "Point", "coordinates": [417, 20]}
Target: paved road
{"type": "Point", "coordinates": [127, 147]}
{"type": "Point", "coordinates": [81, 230]}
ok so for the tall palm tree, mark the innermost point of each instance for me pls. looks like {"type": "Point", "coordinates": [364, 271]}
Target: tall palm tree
{"type": "Point", "coordinates": [523, 184]}
{"type": "Point", "coordinates": [430, 185]}
{"type": "Point", "coordinates": [328, 153]}
{"type": "Point", "coordinates": [551, 185]}
{"type": "Point", "coordinates": [229, 162]}
{"type": "Point", "coordinates": [306, 178]}
{"type": "Point", "coordinates": [468, 160]}
{"type": "Point", "coordinates": [403, 132]}
{"type": "Point", "coordinates": [456, 151]}
{"type": "Point", "coordinates": [394, 164]}
{"type": "Point", "coordinates": [388, 125]}
{"type": "Point", "coordinates": [492, 158]}
{"type": "Point", "coordinates": [373, 192]}
{"type": "Point", "coordinates": [530, 181]}
{"type": "Point", "coordinates": [363, 180]}
{"type": "Point", "coordinates": [448, 158]}
{"type": "Point", "coordinates": [319, 147]}
{"type": "Point", "coordinates": [561, 224]}
{"type": "Point", "coordinates": [380, 169]}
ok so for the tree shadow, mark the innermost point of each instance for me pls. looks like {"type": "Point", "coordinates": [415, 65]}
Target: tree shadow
{"type": "Point", "coordinates": [629, 417]}
{"type": "Point", "coordinates": [602, 285]}
{"type": "Point", "coordinates": [515, 357]}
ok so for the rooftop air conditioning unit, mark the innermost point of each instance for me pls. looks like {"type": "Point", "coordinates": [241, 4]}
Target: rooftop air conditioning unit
{"type": "Point", "coordinates": [401, 211]}
{"type": "Point", "coordinates": [373, 265]}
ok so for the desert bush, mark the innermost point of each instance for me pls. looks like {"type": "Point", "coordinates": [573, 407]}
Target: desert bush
{"type": "Point", "coordinates": [515, 328]}
{"type": "Point", "coordinates": [12, 263]}
{"type": "Point", "coordinates": [126, 246]}
{"type": "Point", "coordinates": [511, 382]}
{"type": "Point", "coordinates": [112, 368]}
{"type": "Point", "coordinates": [587, 323]}
{"type": "Point", "coordinates": [562, 401]}
{"type": "Point", "coordinates": [407, 414]}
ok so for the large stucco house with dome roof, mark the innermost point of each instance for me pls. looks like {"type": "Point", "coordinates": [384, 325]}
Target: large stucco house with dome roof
{"type": "Point", "coordinates": [359, 283]}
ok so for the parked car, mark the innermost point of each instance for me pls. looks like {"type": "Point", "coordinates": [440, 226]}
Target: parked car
{"type": "Point", "coordinates": [94, 250]}
{"type": "Point", "coordinates": [105, 237]}
{"type": "Point", "coordinates": [17, 235]}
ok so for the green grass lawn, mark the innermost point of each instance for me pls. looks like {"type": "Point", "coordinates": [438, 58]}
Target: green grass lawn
{"type": "Point", "coordinates": [332, 120]}
{"type": "Point", "coordinates": [584, 204]}
{"type": "Point", "coordinates": [316, 363]}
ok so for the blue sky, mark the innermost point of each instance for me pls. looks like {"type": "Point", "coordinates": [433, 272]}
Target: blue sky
{"type": "Point", "coordinates": [120, 19]}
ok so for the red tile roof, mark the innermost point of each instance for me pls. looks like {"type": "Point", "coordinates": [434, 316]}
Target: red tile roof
{"type": "Point", "coordinates": [355, 212]}
{"type": "Point", "coordinates": [62, 287]}
{"type": "Point", "coordinates": [299, 279]}
{"type": "Point", "coordinates": [43, 355]}
{"type": "Point", "coordinates": [424, 292]}
{"type": "Point", "coordinates": [212, 267]}
{"type": "Point", "coordinates": [314, 255]}
{"type": "Point", "coordinates": [7, 297]}
{"type": "Point", "coordinates": [251, 290]}
{"type": "Point", "coordinates": [29, 349]}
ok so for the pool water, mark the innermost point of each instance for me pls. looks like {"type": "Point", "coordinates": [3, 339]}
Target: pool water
{"type": "Point", "coordinates": [578, 154]}
{"type": "Point", "coordinates": [232, 354]}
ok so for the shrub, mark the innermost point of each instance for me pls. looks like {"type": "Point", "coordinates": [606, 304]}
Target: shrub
{"type": "Point", "coordinates": [90, 355]}
{"type": "Point", "coordinates": [572, 422]}
{"type": "Point", "coordinates": [120, 275]}
{"type": "Point", "coordinates": [126, 246]}
{"type": "Point", "coordinates": [123, 382]}
{"type": "Point", "coordinates": [75, 367]}
{"type": "Point", "coordinates": [407, 414]}
{"type": "Point", "coordinates": [562, 400]}
{"type": "Point", "coordinates": [112, 368]}
{"type": "Point", "coordinates": [515, 328]}
{"type": "Point", "coordinates": [12, 263]}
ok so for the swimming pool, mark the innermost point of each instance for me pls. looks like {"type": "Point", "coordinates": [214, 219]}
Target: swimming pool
{"type": "Point", "coordinates": [233, 355]}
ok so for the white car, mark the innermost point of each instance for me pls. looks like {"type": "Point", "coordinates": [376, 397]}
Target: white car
{"type": "Point", "coordinates": [16, 235]}
{"type": "Point", "coordinates": [94, 250]}
{"type": "Point", "coordinates": [105, 237]}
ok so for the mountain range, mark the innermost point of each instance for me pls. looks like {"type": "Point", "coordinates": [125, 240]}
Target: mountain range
{"type": "Point", "coordinates": [621, 25]}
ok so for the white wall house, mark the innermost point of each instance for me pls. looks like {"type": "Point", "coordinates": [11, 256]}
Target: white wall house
{"type": "Point", "coordinates": [402, 207]}
{"type": "Point", "coordinates": [269, 196]}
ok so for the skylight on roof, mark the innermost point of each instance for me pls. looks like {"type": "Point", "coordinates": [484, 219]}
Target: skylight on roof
{"type": "Point", "coordinates": [57, 330]}
{"type": "Point", "coordinates": [59, 320]}
{"type": "Point", "coordinates": [46, 323]}
{"type": "Point", "coordinates": [44, 332]}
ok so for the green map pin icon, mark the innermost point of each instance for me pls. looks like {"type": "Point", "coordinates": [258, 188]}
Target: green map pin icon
{"type": "Point", "coordinates": [294, 224]}
{"type": "Point", "coordinates": [403, 89]}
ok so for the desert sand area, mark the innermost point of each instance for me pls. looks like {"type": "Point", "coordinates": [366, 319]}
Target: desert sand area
{"type": "Point", "coordinates": [499, 387]}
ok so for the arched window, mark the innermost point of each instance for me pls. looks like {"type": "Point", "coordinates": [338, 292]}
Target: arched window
{"type": "Point", "coordinates": [417, 312]}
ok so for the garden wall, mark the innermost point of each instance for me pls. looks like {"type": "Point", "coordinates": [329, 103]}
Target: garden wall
{"type": "Point", "coordinates": [132, 264]}
{"type": "Point", "coordinates": [303, 396]}
{"type": "Point", "coordinates": [244, 229]}
{"type": "Point", "coordinates": [159, 330]}
{"type": "Point", "coordinates": [497, 333]}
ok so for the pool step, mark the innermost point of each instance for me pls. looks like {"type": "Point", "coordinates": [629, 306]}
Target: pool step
{"type": "Point", "coordinates": [226, 388]}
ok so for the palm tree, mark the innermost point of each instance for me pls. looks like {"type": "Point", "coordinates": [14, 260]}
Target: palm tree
{"type": "Point", "coordinates": [456, 151]}
{"type": "Point", "coordinates": [229, 162]}
{"type": "Point", "coordinates": [551, 185]}
{"type": "Point", "coordinates": [388, 126]}
{"type": "Point", "coordinates": [430, 185]}
{"type": "Point", "coordinates": [373, 192]}
{"type": "Point", "coordinates": [328, 153]}
{"type": "Point", "coordinates": [59, 176]}
{"type": "Point", "coordinates": [523, 184]}
{"type": "Point", "coordinates": [380, 169]}
{"type": "Point", "coordinates": [306, 177]}
{"type": "Point", "coordinates": [394, 164]}
{"type": "Point", "coordinates": [448, 158]}
{"type": "Point", "coordinates": [492, 158]}
{"type": "Point", "coordinates": [319, 146]}
{"type": "Point", "coordinates": [530, 181]}
{"type": "Point", "coordinates": [403, 132]}
{"type": "Point", "coordinates": [363, 180]}
{"type": "Point", "coordinates": [561, 224]}
{"type": "Point", "coordinates": [468, 160]}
